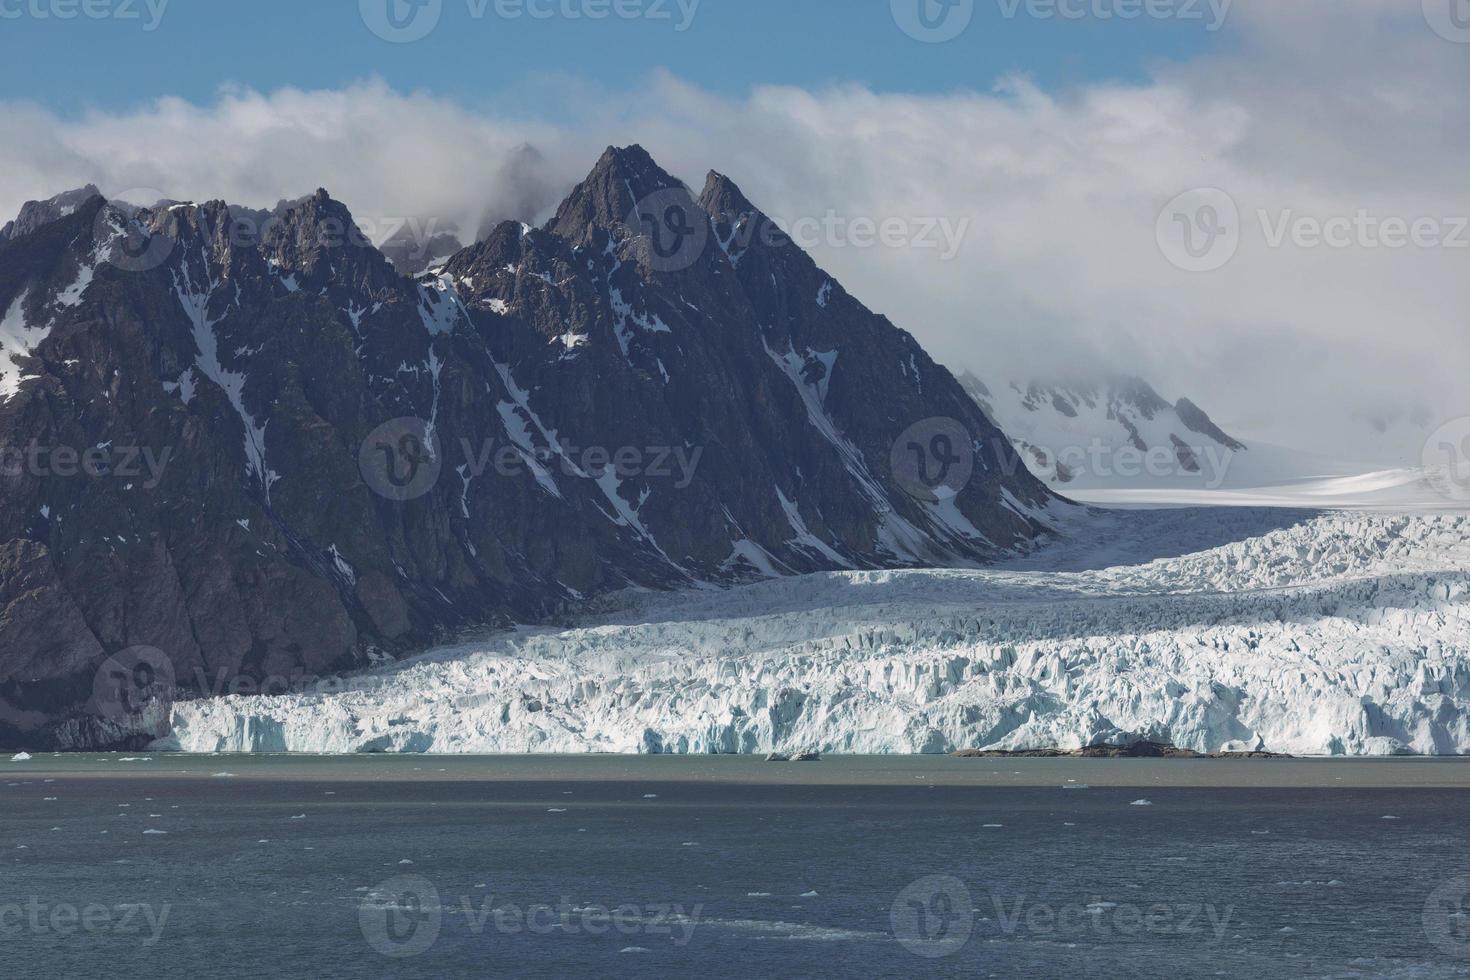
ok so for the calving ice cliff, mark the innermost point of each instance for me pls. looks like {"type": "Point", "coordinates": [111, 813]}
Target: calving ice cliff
{"type": "Point", "coordinates": [1212, 630]}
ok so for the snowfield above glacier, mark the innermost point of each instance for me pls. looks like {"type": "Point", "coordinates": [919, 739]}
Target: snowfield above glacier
{"type": "Point", "coordinates": [1338, 633]}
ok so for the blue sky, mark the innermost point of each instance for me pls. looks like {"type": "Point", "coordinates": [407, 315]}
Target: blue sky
{"type": "Point", "coordinates": [113, 62]}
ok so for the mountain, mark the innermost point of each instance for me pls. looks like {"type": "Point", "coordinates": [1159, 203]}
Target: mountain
{"type": "Point", "coordinates": [34, 214]}
{"type": "Point", "coordinates": [413, 250]}
{"type": "Point", "coordinates": [244, 452]}
{"type": "Point", "coordinates": [1111, 432]}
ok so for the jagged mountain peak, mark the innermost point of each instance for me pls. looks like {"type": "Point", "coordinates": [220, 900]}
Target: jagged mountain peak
{"type": "Point", "coordinates": [35, 214]}
{"type": "Point", "coordinates": [316, 240]}
{"type": "Point", "coordinates": [622, 179]}
{"type": "Point", "coordinates": [723, 197]}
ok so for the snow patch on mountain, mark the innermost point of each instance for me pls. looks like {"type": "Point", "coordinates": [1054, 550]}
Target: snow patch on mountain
{"type": "Point", "coordinates": [1300, 632]}
{"type": "Point", "coordinates": [17, 339]}
{"type": "Point", "coordinates": [195, 301]}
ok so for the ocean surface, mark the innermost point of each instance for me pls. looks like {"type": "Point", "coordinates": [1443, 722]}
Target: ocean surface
{"type": "Point", "coordinates": [610, 866]}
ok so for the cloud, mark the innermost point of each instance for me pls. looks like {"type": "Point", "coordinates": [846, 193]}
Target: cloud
{"type": "Point", "coordinates": [1316, 110]}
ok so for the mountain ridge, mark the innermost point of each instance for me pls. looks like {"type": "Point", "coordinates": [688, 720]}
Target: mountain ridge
{"type": "Point", "coordinates": [359, 463]}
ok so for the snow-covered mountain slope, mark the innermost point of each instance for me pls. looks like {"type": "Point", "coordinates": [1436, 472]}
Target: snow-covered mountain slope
{"type": "Point", "coordinates": [1119, 443]}
{"type": "Point", "coordinates": [1115, 432]}
{"type": "Point", "coordinates": [1291, 631]}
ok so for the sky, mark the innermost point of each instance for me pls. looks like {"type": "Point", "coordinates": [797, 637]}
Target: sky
{"type": "Point", "coordinates": [1259, 205]}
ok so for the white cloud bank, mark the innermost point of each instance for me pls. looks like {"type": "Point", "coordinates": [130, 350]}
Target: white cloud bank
{"type": "Point", "coordinates": [1318, 109]}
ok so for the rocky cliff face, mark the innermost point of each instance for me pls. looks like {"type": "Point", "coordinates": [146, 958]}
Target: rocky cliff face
{"type": "Point", "coordinates": [242, 453]}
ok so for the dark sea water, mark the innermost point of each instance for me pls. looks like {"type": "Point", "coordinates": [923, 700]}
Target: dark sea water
{"type": "Point", "coordinates": [614, 866]}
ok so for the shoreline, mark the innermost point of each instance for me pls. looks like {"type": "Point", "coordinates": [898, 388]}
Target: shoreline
{"type": "Point", "coordinates": [1041, 777]}
{"type": "Point", "coordinates": [1138, 750]}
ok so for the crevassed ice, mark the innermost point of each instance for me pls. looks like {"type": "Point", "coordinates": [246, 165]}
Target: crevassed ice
{"type": "Point", "coordinates": [1314, 635]}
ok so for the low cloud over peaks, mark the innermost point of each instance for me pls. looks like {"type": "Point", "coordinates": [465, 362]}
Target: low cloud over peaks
{"type": "Point", "coordinates": [1022, 225]}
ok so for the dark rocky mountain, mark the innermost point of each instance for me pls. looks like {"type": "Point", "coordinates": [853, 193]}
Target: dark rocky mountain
{"type": "Point", "coordinates": [34, 214]}
{"type": "Point", "coordinates": [243, 452]}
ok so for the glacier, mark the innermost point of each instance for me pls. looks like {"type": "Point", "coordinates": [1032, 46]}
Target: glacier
{"type": "Point", "coordinates": [1341, 633]}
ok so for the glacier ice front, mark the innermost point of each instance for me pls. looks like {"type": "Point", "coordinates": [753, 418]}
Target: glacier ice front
{"type": "Point", "coordinates": [1295, 632]}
